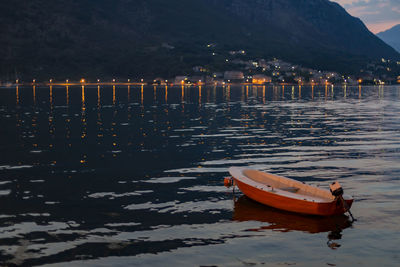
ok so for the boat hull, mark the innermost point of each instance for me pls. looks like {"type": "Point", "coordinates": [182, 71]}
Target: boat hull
{"type": "Point", "coordinates": [279, 201]}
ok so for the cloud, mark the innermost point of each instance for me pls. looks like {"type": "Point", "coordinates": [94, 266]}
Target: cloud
{"type": "Point", "coordinates": [362, 11]}
{"type": "Point", "coordinates": [396, 9]}
{"type": "Point", "coordinates": [378, 15]}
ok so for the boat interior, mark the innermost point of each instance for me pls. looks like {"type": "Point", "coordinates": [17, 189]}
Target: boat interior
{"type": "Point", "coordinates": [289, 185]}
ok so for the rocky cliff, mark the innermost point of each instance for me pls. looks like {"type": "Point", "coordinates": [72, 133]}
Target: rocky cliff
{"type": "Point", "coordinates": [104, 38]}
{"type": "Point", "coordinates": [391, 37]}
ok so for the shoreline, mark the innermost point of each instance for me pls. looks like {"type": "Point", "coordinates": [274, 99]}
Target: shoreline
{"type": "Point", "coordinates": [64, 84]}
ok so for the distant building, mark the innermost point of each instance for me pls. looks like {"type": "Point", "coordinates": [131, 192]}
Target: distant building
{"type": "Point", "coordinates": [180, 79]}
{"type": "Point", "coordinates": [218, 81]}
{"type": "Point", "coordinates": [197, 79]}
{"type": "Point", "coordinates": [234, 76]}
{"type": "Point", "coordinates": [218, 75]}
{"type": "Point", "coordinates": [209, 80]}
{"type": "Point", "coordinates": [263, 64]}
{"type": "Point", "coordinates": [285, 66]}
{"type": "Point", "coordinates": [261, 79]}
{"type": "Point", "coordinates": [278, 64]}
{"type": "Point", "coordinates": [239, 52]}
{"type": "Point", "coordinates": [199, 69]}
{"type": "Point", "coordinates": [299, 79]}
{"type": "Point", "coordinates": [351, 81]}
{"type": "Point", "coordinates": [367, 78]}
{"type": "Point", "coordinates": [159, 80]}
{"type": "Point", "coordinates": [275, 73]}
{"type": "Point", "coordinates": [290, 74]}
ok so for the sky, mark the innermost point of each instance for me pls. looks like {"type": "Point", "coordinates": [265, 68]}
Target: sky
{"type": "Point", "coordinates": [377, 15]}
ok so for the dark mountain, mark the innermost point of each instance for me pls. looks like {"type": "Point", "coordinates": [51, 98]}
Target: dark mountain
{"type": "Point", "coordinates": [131, 38]}
{"type": "Point", "coordinates": [391, 37]}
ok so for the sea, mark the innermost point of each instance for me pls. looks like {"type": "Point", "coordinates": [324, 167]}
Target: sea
{"type": "Point", "coordinates": [133, 175]}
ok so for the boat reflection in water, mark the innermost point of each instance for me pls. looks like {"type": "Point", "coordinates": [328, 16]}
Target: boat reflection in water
{"type": "Point", "coordinates": [283, 221]}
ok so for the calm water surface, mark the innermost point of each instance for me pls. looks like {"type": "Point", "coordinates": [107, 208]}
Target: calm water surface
{"type": "Point", "coordinates": [117, 176]}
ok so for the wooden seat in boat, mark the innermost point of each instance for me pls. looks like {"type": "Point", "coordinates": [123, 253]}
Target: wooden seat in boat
{"type": "Point", "coordinates": [290, 189]}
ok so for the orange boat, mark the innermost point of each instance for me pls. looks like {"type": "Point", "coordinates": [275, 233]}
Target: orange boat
{"type": "Point", "coordinates": [288, 194]}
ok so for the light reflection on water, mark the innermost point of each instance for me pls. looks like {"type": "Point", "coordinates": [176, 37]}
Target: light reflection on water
{"type": "Point", "coordinates": [133, 175]}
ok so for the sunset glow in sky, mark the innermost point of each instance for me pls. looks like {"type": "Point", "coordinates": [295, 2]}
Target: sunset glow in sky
{"type": "Point", "coordinates": [378, 15]}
